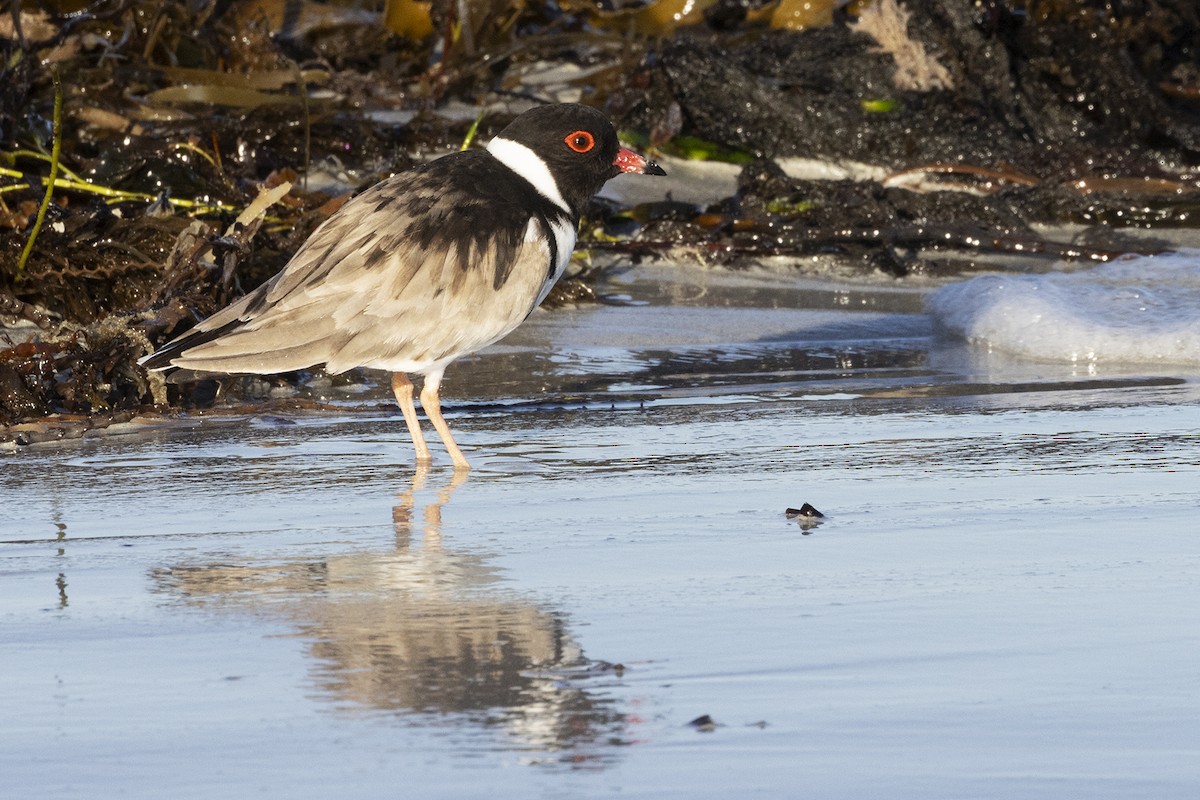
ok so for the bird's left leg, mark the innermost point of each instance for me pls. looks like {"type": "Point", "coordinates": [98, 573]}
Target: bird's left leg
{"type": "Point", "coordinates": [433, 409]}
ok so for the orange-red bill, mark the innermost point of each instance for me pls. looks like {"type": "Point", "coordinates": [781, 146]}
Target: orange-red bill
{"type": "Point", "coordinates": [629, 161]}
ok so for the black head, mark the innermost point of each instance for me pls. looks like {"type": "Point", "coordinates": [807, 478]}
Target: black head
{"type": "Point", "coordinates": [577, 144]}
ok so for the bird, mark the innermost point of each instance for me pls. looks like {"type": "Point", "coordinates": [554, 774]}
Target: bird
{"type": "Point", "coordinates": [424, 267]}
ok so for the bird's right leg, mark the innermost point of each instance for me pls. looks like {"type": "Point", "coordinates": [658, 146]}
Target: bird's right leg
{"type": "Point", "coordinates": [403, 389]}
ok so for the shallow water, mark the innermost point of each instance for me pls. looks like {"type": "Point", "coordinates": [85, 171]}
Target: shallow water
{"type": "Point", "coordinates": [999, 603]}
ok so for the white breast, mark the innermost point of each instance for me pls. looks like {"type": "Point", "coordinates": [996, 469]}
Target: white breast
{"type": "Point", "coordinates": [564, 238]}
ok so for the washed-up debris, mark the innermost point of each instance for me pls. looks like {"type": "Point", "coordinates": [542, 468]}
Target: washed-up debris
{"type": "Point", "coordinates": [59, 427]}
{"type": "Point", "coordinates": [886, 21]}
{"type": "Point", "coordinates": [962, 128]}
{"type": "Point", "coordinates": [806, 511]}
{"type": "Point", "coordinates": [91, 369]}
{"type": "Point", "coordinates": [806, 516]}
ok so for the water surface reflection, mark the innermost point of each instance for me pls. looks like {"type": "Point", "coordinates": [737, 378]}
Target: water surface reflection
{"type": "Point", "coordinates": [427, 634]}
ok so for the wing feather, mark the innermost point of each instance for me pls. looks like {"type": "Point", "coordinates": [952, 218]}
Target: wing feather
{"type": "Point", "coordinates": [404, 276]}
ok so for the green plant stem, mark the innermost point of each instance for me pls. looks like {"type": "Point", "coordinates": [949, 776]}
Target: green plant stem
{"type": "Point", "coordinates": [55, 151]}
{"type": "Point", "coordinates": [473, 130]}
{"type": "Point", "coordinates": [75, 183]}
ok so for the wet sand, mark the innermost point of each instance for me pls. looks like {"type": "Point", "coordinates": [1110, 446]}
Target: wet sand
{"type": "Point", "coordinates": [999, 603]}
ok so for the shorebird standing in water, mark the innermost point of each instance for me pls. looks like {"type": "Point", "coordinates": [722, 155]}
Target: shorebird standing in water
{"type": "Point", "coordinates": [424, 267]}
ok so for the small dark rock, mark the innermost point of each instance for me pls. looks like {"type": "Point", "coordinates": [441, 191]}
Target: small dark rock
{"type": "Point", "coordinates": [806, 516]}
{"type": "Point", "coordinates": [806, 510]}
{"type": "Point", "coordinates": [704, 724]}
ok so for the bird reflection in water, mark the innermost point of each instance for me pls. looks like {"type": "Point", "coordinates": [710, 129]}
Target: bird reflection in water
{"type": "Point", "coordinates": [402, 512]}
{"type": "Point", "coordinates": [424, 630]}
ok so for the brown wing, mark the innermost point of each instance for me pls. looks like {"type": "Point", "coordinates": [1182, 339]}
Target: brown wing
{"type": "Point", "coordinates": [410, 309]}
{"type": "Point", "coordinates": [404, 275]}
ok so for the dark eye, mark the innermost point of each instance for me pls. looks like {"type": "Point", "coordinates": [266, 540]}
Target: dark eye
{"type": "Point", "coordinates": [580, 141]}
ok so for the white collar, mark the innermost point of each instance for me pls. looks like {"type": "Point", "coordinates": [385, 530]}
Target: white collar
{"type": "Point", "coordinates": [526, 163]}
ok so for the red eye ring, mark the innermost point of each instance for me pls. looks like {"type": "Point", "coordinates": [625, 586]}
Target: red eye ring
{"type": "Point", "coordinates": [580, 141]}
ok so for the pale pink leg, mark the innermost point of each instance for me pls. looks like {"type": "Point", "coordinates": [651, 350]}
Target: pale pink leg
{"type": "Point", "coordinates": [433, 409]}
{"type": "Point", "coordinates": [403, 389]}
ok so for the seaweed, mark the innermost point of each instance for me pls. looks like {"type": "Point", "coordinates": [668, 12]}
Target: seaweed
{"type": "Point", "coordinates": [134, 133]}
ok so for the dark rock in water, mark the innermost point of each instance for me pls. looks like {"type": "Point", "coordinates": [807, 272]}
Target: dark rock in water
{"type": "Point", "coordinates": [806, 516]}
{"type": "Point", "coordinates": [806, 510]}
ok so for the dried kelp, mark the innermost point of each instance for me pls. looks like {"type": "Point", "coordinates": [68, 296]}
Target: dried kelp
{"type": "Point", "coordinates": [977, 124]}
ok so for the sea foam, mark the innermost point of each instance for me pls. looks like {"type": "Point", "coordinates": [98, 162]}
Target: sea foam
{"type": "Point", "coordinates": [1137, 309]}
